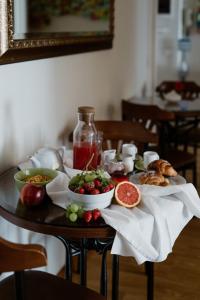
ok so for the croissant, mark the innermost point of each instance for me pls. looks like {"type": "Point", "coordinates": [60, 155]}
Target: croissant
{"type": "Point", "coordinates": [153, 178]}
{"type": "Point", "coordinates": [163, 167]}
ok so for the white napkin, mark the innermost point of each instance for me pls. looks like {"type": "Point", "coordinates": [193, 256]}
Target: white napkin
{"type": "Point", "coordinates": [148, 231]}
{"type": "Point", "coordinates": [57, 189]}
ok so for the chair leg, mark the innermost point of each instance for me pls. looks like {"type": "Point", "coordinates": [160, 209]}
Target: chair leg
{"type": "Point", "coordinates": [149, 268]}
{"type": "Point", "coordinates": [19, 282]}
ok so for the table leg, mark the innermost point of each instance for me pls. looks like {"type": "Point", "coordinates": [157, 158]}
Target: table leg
{"type": "Point", "coordinates": [104, 277]}
{"type": "Point", "coordinates": [149, 266]}
{"type": "Point", "coordinates": [115, 277]}
{"type": "Point", "coordinates": [68, 259]}
{"type": "Point", "coordinates": [83, 262]}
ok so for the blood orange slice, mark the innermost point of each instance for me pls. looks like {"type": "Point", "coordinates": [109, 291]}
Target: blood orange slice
{"type": "Point", "coordinates": [127, 194]}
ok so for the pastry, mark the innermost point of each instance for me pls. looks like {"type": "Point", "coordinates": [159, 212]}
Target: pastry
{"type": "Point", "coordinates": [163, 167]}
{"type": "Point", "coordinates": [153, 178]}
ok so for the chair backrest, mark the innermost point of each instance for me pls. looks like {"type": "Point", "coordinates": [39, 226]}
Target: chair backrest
{"type": "Point", "coordinates": [149, 115]}
{"type": "Point", "coordinates": [152, 117]}
{"type": "Point", "coordinates": [125, 132]}
{"type": "Point", "coordinates": [17, 257]}
{"type": "Point", "coordinates": [188, 90]}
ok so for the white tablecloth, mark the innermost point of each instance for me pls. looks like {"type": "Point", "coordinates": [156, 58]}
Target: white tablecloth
{"type": "Point", "coordinates": [148, 231]}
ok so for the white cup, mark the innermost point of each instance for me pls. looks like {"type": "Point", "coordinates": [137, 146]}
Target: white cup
{"type": "Point", "coordinates": [129, 149]}
{"type": "Point", "coordinates": [109, 155]}
{"type": "Point", "coordinates": [149, 156]}
{"type": "Point", "coordinates": [128, 163]}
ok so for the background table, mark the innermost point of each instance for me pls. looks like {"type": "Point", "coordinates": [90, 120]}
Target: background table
{"type": "Point", "coordinates": [186, 109]}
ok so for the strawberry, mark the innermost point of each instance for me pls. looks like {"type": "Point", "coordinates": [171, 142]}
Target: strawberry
{"type": "Point", "coordinates": [111, 186]}
{"type": "Point", "coordinates": [106, 189]}
{"type": "Point", "coordinates": [97, 183]}
{"type": "Point", "coordinates": [87, 216]}
{"type": "Point", "coordinates": [96, 214]}
{"type": "Point", "coordinates": [94, 192]}
{"type": "Point", "coordinates": [88, 186]}
{"type": "Point", "coordinates": [81, 190]}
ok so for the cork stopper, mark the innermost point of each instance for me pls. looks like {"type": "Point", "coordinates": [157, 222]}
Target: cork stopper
{"type": "Point", "coordinates": [86, 109]}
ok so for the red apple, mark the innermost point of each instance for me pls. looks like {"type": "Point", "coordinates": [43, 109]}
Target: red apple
{"type": "Point", "coordinates": [32, 195]}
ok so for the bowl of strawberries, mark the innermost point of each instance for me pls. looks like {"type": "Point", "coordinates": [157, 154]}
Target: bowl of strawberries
{"type": "Point", "coordinates": [91, 189]}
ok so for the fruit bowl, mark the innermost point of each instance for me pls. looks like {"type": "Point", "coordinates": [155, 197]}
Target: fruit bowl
{"type": "Point", "coordinates": [91, 189]}
{"type": "Point", "coordinates": [90, 202]}
{"type": "Point", "coordinates": [36, 176]}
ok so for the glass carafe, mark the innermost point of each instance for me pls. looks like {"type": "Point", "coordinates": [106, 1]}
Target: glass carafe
{"type": "Point", "coordinates": [85, 145]}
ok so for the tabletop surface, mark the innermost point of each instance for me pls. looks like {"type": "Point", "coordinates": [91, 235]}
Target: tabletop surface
{"type": "Point", "coordinates": [180, 108]}
{"type": "Point", "coordinates": [46, 218]}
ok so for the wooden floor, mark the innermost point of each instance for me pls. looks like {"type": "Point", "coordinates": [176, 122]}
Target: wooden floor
{"type": "Point", "coordinates": [177, 278]}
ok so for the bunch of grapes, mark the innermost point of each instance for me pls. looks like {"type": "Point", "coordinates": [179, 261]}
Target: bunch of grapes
{"type": "Point", "coordinates": [73, 212]}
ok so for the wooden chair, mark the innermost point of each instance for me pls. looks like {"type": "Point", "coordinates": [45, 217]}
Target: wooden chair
{"type": "Point", "coordinates": [188, 90]}
{"type": "Point", "coordinates": [32, 285]}
{"type": "Point", "coordinates": [159, 120]}
{"type": "Point", "coordinates": [117, 132]}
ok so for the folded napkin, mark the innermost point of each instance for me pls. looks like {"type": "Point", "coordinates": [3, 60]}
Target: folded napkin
{"type": "Point", "coordinates": [148, 231]}
{"type": "Point", "coordinates": [57, 189]}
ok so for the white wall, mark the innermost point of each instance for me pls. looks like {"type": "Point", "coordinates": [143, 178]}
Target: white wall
{"type": "Point", "coordinates": [39, 98]}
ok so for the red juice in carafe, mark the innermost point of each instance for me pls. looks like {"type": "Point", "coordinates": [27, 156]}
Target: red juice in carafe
{"type": "Point", "coordinates": [85, 155]}
{"type": "Point", "coordinates": [85, 142]}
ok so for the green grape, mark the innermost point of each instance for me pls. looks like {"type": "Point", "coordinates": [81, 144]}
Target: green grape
{"type": "Point", "coordinates": [74, 208]}
{"type": "Point", "coordinates": [80, 212]}
{"type": "Point", "coordinates": [73, 217]}
{"type": "Point", "coordinates": [90, 177]}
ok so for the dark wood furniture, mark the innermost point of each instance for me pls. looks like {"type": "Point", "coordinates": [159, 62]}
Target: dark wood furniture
{"type": "Point", "coordinates": [161, 121]}
{"type": "Point", "coordinates": [31, 285]}
{"type": "Point", "coordinates": [125, 132]}
{"type": "Point", "coordinates": [187, 90]}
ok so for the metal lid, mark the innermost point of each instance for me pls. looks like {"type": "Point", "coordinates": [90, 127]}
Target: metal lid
{"type": "Point", "coordinates": [86, 109]}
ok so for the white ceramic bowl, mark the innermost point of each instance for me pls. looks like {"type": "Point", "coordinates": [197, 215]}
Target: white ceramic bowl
{"type": "Point", "coordinates": [90, 202]}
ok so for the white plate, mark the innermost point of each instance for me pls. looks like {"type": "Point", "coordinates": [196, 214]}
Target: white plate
{"type": "Point", "coordinates": [173, 180]}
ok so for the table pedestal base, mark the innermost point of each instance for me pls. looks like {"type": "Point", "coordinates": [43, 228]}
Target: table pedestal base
{"type": "Point", "coordinates": [80, 247]}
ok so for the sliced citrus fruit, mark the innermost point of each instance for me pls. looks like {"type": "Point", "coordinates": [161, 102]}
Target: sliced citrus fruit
{"type": "Point", "coordinates": [127, 194]}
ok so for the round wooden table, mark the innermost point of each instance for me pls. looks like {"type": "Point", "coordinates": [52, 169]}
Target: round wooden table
{"type": "Point", "coordinates": [77, 238]}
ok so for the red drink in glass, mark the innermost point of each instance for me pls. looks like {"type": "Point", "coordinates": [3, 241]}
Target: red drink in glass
{"type": "Point", "coordinates": [82, 154]}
